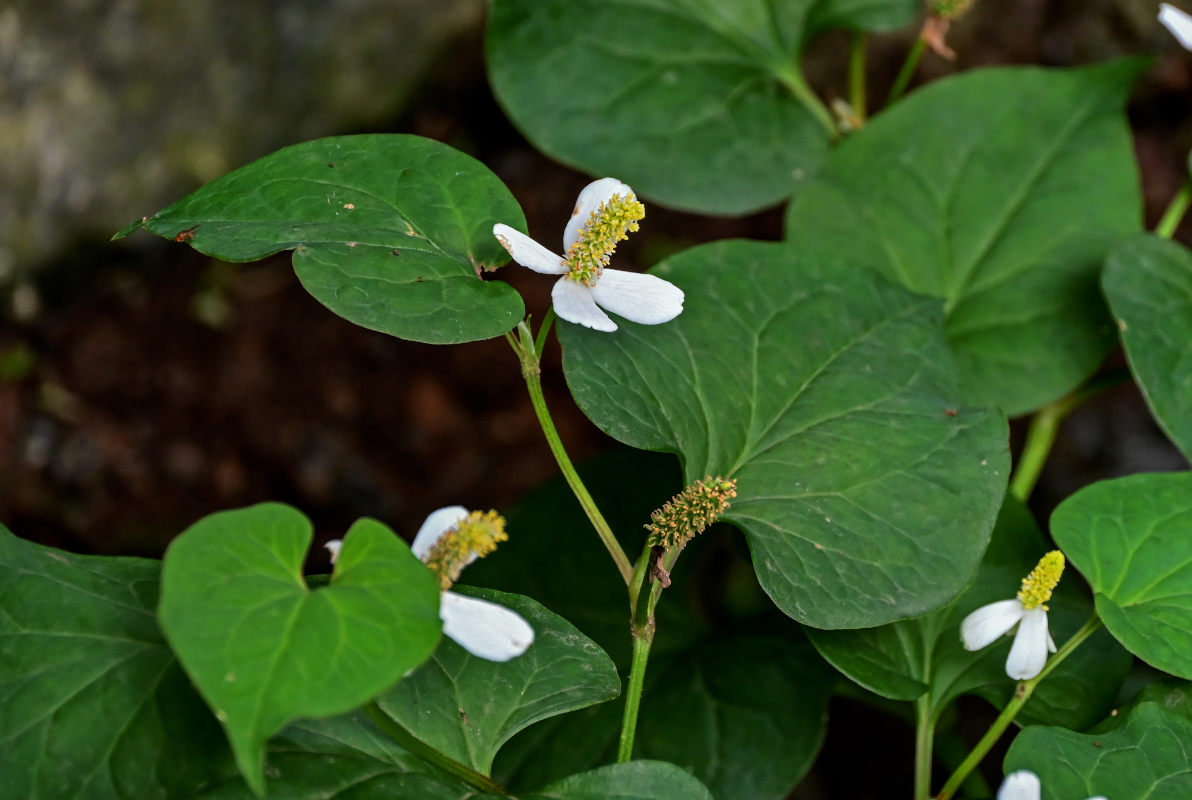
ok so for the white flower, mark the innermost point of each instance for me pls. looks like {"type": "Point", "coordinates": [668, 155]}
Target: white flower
{"type": "Point", "coordinates": [1179, 23]}
{"type": "Point", "coordinates": [1024, 785]}
{"type": "Point", "coordinates": [1032, 642]}
{"type": "Point", "coordinates": [604, 212]}
{"type": "Point", "coordinates": [484, 629]}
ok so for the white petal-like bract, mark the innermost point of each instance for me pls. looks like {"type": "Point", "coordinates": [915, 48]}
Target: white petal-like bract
{"type": "Point", "coordinates": [1020, 785]}
{"type": "Point", "coordinates": [987, 623]}
{"type": "Point", "coordinates": [438, 523]}
{"type": "Point", "coordinates": [575, 302]}
{"type": "Point", "coordinates": [1178, 22]}
{"type": "Point", "coordinates": [528, 252]}
{"type": "Point", "coordinates": [484, 629]}
{"type": "Point", "coordinates": [333, 547]}
{"type": "Point", "coordinates": [646, 299]}
{"type": "Point", "coordinates": [1028, 654]}
{"type": "Point", "coordinates": [590, 198]}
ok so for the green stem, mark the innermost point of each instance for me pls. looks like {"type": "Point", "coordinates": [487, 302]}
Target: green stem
{"type": "Point", "coordinates": [527, 352]}
{"type": "Point", "coordinates": [792, 78]}
{"type": "Point", "coordinates": [643, 637]}
{"type": "Point", "coordinates": [1042, 432]}
{"type": "Point", "coordinates": [856, 75]}
{"type": "Point", "coordinates": [924, 735]}
{"type": "Point", "coordinates": [908, 70]}
{"type": "Point", "coordinates": [417, 747]}
{"type": "Point", "coordinates": [1175, 211]}
{"type": "Point", "coordinates": [1021, 695]}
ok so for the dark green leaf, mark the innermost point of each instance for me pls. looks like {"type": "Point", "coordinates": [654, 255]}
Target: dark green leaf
{"type": "Point", "coordinates": [867, 490]}
{"type": "Point", "coordinates": [389, 231]}
{"type": "Point", "coordinates": [865, 15]}
{"type": "Point", "coordinates": [92, 702]}
{"type": "Point", "coordinates": [685, 101]}
{"type": "Point", "coordinates": [1149, 285]}
{"type": "Point", "coordinates": [1000, 191]}
{"type": "Point", "coordinates": [635, 780]}
{"type": "Point", "coordinates": [263, 649]}
{"type": "Point", "coordinates": [1148, 758]}
{"type": "Point", "coordinates": [902, 660]}
{"type": "Point", "coordinates": [466, 707]}
{"type": "Point", "coordinates": [345, 758]}
{"type": "Point", "coordinates": [1129, 537]}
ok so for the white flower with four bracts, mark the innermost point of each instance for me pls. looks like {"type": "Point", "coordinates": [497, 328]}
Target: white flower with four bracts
{"type": "Point", "coordinates": [449, 540]}
{"type": "Point", "coordinates": [1178, 22]}
{"type": "Point", "coordinates": [1032, 641]}
{"type": "Point", "coordinates": [605, 212]}
{"type": "Point", "coordinates": [1024, 785]}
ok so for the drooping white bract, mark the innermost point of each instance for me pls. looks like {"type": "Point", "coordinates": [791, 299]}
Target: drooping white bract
{"type": "Point", "coordinates": [1024, 785]}
{"type": "Point", "coordinates": [1032, 642]}
{"type": "Point", "coordinates": [1178, 22]}
{"type": "Point", "coordinates": [604, 212]}
{"type": "Point", "coordinates": [484, 629]}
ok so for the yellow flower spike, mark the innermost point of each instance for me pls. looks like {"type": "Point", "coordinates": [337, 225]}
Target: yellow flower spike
{"type": "Point", "coordinates": [1037, 587]}
{"type": "Point", "coordinates": [612, 222]}
{"type": "Point", "coordinates": [473, 537]}
{"type": "Point", "coordinates": [690, 512]}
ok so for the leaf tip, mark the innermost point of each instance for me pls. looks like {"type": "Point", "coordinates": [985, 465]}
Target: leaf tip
{"type": "Point", "coordinates": [129, 229]}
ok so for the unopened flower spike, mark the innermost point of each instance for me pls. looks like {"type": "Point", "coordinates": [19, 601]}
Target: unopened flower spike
{"type": "Point", "coordinates": [1178, 22]}
{"type": "Point", "coordinates": [1024, 785]}
{"type": "Point", "coordinates": [605, 213]}
{"type": "Point", "coordinates": [1028, 611]}
{"type": "Point", "coordinates": [690, 512]}
{"type": "Point", "coordinates": [449, 540]}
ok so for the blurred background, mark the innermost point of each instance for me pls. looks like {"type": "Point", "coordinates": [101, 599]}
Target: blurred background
{"type": "Point", "coordinates": [143, 385]}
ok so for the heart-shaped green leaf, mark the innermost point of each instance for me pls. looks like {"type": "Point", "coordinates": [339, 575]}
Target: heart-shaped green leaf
{"type": "Point", "coordinates": [389, 231]}
{"type": "Point", "coordinates": [92, 702]}
{"type": "Point", "coordinates": [1000, 191]}
{"type": "Point", "coordinates": [263, 649]}
{"type": "Point", "coordinates": [1148, 281]}
{"type": "Point", "coordinates": [1129, 537]}
{"type": "Point", "coordinates": [902, 660]}
{"type": "Point", "coordinates": [866, 489]}
{"type": "Point", "coordinates": [466, 707]}
{"type": "Point", "coordinates": [1148, 758]}
{"type": "Point", "coordinates": [692, 102]}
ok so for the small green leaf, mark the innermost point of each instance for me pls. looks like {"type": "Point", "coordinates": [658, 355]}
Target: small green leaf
{"type": "Point", "coordinates": [1148, 281]}
{"type": "Point", "coordinates": [786, 371]}
{"type": "Point", "coordinates": [1129, 537]}
{"type": "Point", "coordinates": [93, 702]}
{"type": "Point", "coordinates": [1148, 758]}
{"type": "Point", "coordinates": [1000, 191]}
{"type": "Point", "coordinates": [863, 15]}
{"type": "Point", "coordinates": [466, 707]}
{"type": "Point", "coordinates": [389, 231]}
{"type": "Point", "coordinates": [263, 649]}
{"type": "Point", "coordinates": [634, 780]}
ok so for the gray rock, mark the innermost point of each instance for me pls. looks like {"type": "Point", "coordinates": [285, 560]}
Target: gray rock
{"type": "Point", "coordinates": [109, 109]}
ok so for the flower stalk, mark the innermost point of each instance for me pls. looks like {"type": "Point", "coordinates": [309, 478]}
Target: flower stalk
{"type": "Point", "coordinates": [1022, 693]}
{"type": "Point", "coordinates": [527, 351]}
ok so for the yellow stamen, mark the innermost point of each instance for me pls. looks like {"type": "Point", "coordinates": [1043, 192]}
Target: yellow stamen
{"type": "Point", "coordinates": [690, 512]}
{"type": "Point", "coordinates": [607, 225]}
{"type": "Point", "coordinates": [475, 535]}
{"type": "Point", "coordinates": [1038, 586]}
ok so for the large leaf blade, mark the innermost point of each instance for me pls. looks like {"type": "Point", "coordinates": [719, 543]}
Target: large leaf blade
{"type": "Point", "coordinates": [783, 371]}
{"type": "Point", "coordinates": [389, 231]}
